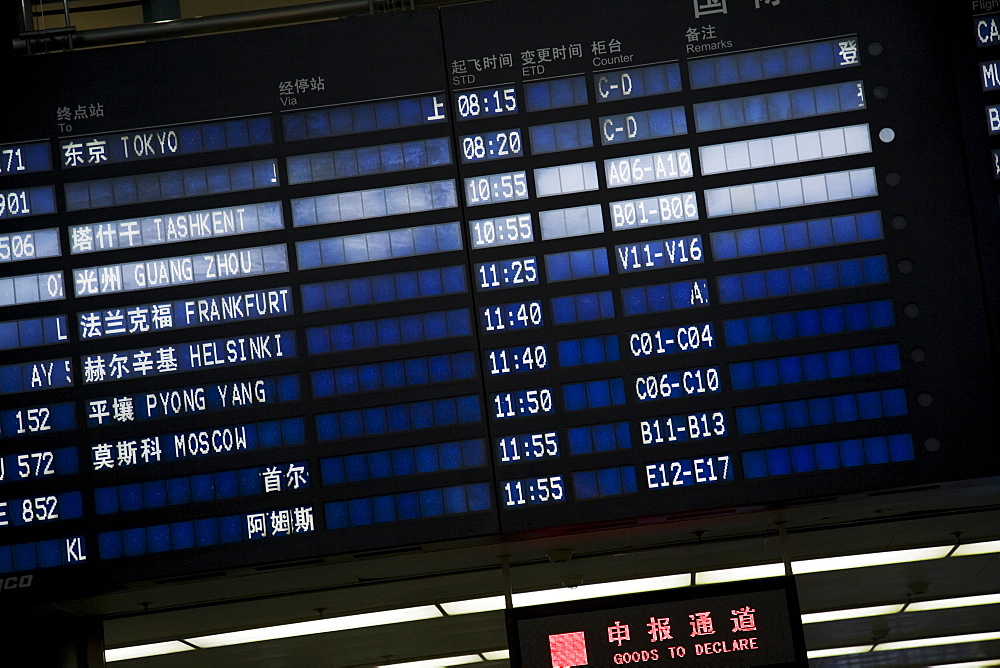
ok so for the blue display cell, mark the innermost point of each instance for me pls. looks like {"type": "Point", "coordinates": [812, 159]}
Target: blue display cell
{"type": "Point", "coordinates": [158, 538]}
{"type": "Point", "coordinates": [591, 350]}
{"type": "Point", "coordinates": [182, 535]}
{"type": "Point", "coordinates": [565, 136]}
{"type": "Point", "coordinates": [178, 491]}
{"type": "Point", "coordinates": [604, 482]}
{"type": "Point", "coordinates": [582, 308]}
{"type": "Point", "coordinates": [360, 512]}
{"type": "Point", "coordinates": [778, 461]}
{"type": "Point", "coordinates": [154, 494]}
{"type": "Point", "coordinates": [555, 93]}
{"type": "Point", "coordinates": [594, 394]}
{"type": "Point", "coordinates": [134, 542]}
{"type": "Point", "coordinates": [49, 553]}
{"type": "Point", "coordinates": [227, 485]}
{"type": "Point", "coordinates": [109, 545]}
{"type": "Point", "coordinates": [727, 70]}
{"type": "Point", "coordinates": [876, 450]}
{"type": "Point", "coordinates": [780, 326]}
{"type": "Point", "coordinates": [431, 503]}
{"type": "Point", "coordinates": [206, 532]}
{"type": "Point", "coordinates": [803, 458]}
{"type": "Point", "coordinates": [575, 265]}
{"type": "Point", "coordinates": [384, 508]}
{"type": "Point", "coordinates": [202, 487]}
{"type": "Point", "coordinates": [25, 557]}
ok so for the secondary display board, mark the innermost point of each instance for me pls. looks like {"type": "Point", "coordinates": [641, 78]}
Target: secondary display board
{"type": "Point", "coordinates": [743, 624]}
{"type": "Point", "coordinates": [488, 269]}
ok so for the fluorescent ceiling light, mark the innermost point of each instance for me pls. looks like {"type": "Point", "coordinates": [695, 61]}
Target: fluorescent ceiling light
{"type": "Point", "coordinates": [837, 651]}
{"type": "Point", "coordinates": [893, 608]}
{"type": "Point", "coordinates": [140, 651]}
{"type": "Point", "coordinates": [474, 605]}
{"type": "Point", "coordinates": [852, 613]}
{"type": "Point", "coordinates": [961, 602]}
{"type": "Point", "coordinates": [438, 663]}
{"type": "Point", "coordinates": [523, 599]}
{"type": "Point", "coordinates": [934, 642]}
{"type": "Point", "coordinates": [869, 559]}
{"type": "Point", "coordinates": [737, 574]}
{"type": "Point", "coordinates": [496, 655]}
{"type": "Point", "coordinates": [602, 589]}
{"type": "Point", "coordinates": [317, 626]}
{"type": "Point", "coordinates": [969, 664]}
{"type": "Point", "coordinates": [985, 547]}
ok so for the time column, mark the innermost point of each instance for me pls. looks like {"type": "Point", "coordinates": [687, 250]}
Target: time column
{"type": "Point", "coordinates": [509, 289]}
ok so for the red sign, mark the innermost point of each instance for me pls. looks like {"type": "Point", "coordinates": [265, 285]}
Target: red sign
{"type": "Point", "coordinates": [745, 624]}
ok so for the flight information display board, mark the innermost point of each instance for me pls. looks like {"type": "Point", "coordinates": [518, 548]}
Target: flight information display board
{"type": "Point", "coordinates": [533, 265]}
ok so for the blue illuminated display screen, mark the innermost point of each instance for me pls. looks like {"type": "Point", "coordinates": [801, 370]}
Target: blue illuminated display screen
{"type": "Point", "coordinates": [599, 438]}
{"type": "Point", "coordinates": [536, 274]}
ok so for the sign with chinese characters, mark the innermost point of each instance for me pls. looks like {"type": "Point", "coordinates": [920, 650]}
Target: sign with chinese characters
{"type": "Point", "coordinates": [735, 624]}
